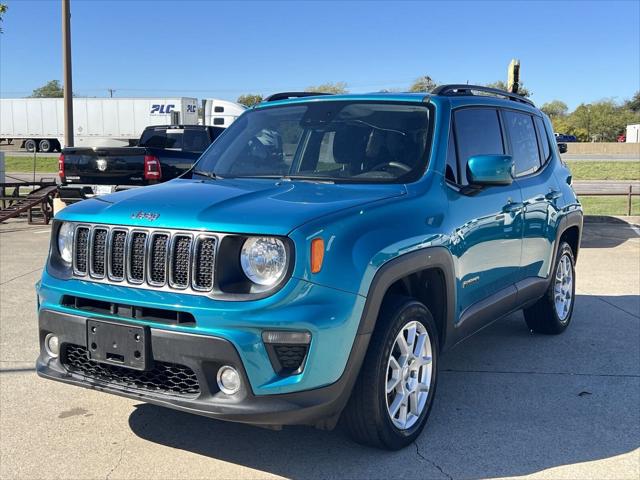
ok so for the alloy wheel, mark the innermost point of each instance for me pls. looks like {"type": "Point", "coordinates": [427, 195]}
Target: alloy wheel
{"type": "Point", "coordinates": [563, 288]}
{"type": "Point", "coordinates": [409, 373]}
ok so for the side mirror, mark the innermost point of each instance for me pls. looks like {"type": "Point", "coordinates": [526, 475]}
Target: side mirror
{"type": "Point", "coordinates": [562, 147]}
{"type": "Point", "coordinates": [490, 170]}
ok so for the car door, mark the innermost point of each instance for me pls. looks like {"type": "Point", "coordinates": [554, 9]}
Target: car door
{"type": "Point", "coordinates": [529, 145]}
{"type": "Point", "coordinates": [487, 238]}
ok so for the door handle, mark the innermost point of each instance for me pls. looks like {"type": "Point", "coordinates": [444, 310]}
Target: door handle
{"type": "Point", "coordinates": [553, 194]}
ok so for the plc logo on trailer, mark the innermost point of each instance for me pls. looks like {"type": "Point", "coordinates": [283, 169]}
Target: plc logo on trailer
{"type": "Point", "coordinates": [191, 109]}
{"type": "Point", "coordinates": [161, 109]}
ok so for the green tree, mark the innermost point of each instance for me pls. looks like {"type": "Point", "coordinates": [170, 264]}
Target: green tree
{"type": "Point", "coordinates": [329, 87]}
{"type": "Point", "coordinates": [500, 85]}
{"type": "Point", "coordinates": [601, 121]}
{"type": "Point", "coordinates": [51, 89]}
{"type": "Point", "coordinates": [423, 84]}
{"type": "Point", "coordinates": [3, 10]}
{"type": "Point", "coordinates": [634, 103]}
{"type": "Point", "coordinates": [556, 108]}
{"type": "Point", "coordinates": [249, 99]}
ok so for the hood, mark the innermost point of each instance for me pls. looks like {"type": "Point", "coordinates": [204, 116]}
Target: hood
{"type": "Point", "coordinates": [227, 205]}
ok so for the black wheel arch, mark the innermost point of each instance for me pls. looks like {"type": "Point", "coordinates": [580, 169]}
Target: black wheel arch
{"type": "Point", "coordinates": [570, 230]}
{"type": "Point", "coordinates": [425, 263]}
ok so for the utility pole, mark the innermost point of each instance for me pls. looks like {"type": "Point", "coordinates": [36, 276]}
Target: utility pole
{"type": "Point", "coordinates": [110, 90]}
{"type": "Point", "coordinates": [66, 66]}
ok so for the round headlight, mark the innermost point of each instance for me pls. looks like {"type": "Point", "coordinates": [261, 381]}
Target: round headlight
{"type": "Point", "coordinates": [263, 260]}
{"type": "Point", "coordinates": [65, 241]}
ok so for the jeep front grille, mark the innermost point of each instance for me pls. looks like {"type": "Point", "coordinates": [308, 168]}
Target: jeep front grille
{"type": "Point", "coordinates": [173, 260]}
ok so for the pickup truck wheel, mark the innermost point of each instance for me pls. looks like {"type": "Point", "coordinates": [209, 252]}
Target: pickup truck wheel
{"type": "Point", "coordinates": [394, 392]}
{"type": "Point", "coordinates": [30, 145]}
{"type": "Point", "coordinates": [552, 313]}
{"type": "Point", "coordinates": [44, 145]}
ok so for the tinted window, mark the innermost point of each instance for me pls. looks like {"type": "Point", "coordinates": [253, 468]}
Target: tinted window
{"type": "Point", "coordinates": [524, 143]}
{"type": "Point", "coordinates": [218, 121]}
{"type": "Point", "coordinates": [195, 140]}
{"type": "Point", "coordinates": [543, 138]}
{"type": "Point", "coordinates": [218, 109]}
{"type": "Point", "coordinates": [477, 133]}
{"type": "Point", "coordinates": [188, 140]}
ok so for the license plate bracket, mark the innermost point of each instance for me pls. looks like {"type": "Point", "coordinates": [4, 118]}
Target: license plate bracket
{"type": "Point", "coordinates": [102, 189]}
{"type": "Point", "coordinates": [117, 344]}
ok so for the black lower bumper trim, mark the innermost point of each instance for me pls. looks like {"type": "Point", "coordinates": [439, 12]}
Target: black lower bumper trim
{"type": "Point", "coordinates": [204, 355]}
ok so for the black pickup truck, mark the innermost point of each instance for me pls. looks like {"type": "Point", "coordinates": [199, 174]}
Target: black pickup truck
{"type": "Point", "coordinates": [163, 152]}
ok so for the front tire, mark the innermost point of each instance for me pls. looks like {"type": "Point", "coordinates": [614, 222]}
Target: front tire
{"type": "Point", "coordinates": [552, 314]}
{"type": "Point", "coordinates": [393, 396]}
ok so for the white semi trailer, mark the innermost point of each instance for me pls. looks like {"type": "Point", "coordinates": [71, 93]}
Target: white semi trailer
{"type": "Point", "coordinates": [38, 123]}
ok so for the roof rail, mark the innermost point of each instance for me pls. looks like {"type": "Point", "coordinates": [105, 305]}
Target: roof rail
{"type": "Point", "coordinates": [287, 95]}
{"type": "Point", "coordinates": [460, 89]}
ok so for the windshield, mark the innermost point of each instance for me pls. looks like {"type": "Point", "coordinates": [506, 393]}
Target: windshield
{"type": "Point", "coordinates": [332, 141]}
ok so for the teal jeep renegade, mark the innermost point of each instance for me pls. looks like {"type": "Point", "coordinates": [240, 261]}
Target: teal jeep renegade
{"type": "Point", "coordinates": [317, 260]}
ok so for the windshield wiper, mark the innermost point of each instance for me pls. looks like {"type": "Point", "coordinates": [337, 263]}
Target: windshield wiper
{"type": "Point", "coordinates": [210, 175]}
{"type": "Point", "coordinates": [311, 178]}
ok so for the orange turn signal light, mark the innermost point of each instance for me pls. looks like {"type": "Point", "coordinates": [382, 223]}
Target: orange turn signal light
{"type": "Point", "coordinates": [317, 254]}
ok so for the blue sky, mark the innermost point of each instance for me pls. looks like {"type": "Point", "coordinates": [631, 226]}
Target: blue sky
{"type": "Point", "coordinates": [573, 51]}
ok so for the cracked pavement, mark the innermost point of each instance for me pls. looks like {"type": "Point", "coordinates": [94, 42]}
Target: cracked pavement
{"type": "Point", "coordinates": [509, 403]}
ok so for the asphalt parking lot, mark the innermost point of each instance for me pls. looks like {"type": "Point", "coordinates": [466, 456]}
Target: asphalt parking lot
{"type": "Point", "coordinates": [509, 403]}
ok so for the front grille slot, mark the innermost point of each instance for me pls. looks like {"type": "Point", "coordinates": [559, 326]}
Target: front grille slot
{"type": "Point", "coordinates": [118, 246]}
{"type": "Point", "coordinates": [98, 252]}
{"type": "Point", "coordinates": [164, 378]}
{"type": "Point", "coordinates": [204, 261]}
{"type": "Point", "coordinates": [81, 250]}
{"type": "Point", "coordinates": [158, 259]}
{"type": "Point", "coordinates": [137, 257]}
{"type": "Point", "coordinates": [180, 261]}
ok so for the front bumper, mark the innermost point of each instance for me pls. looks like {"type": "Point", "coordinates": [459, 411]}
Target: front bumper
{"type": "Point", "coordinates": [204, 354]}
{"type": "Point", "coordinates": [331, 316]}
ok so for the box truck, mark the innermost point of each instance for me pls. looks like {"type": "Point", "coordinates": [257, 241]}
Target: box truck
{"type": "Point", "coordinates": [633, 133]}
{"type": "Point", "coordinates": [38, 123]}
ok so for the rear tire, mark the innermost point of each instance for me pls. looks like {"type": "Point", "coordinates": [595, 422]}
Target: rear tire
{"type": "Point", "coordinates": [45, 146]}
{"type": "Point", "coordinates": [393, 395]}
{"type": "Point", "coordinates": [552, 314]}
{"type": "Point", "coordinates": [30, 145]}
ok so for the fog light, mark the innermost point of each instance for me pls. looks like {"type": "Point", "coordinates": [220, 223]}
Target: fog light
{"type": "Point", "coordinates": [228, 380]}
{"type": "Point", "coordinates": [52, 345]}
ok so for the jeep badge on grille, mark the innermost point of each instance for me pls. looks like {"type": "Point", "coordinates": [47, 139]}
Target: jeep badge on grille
{"type": "Point", "coordinates": [151, 216]}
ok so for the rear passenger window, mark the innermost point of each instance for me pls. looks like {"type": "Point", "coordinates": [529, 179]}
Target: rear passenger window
{"type": "Point", "coordinates": [524, 143]}
{"type": "Point", "coordinates": [543, 138]}
{"type": "Point", "coordinates": [477, 133]}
